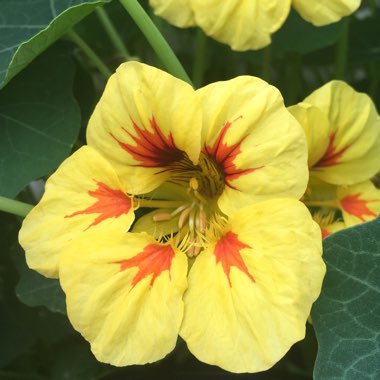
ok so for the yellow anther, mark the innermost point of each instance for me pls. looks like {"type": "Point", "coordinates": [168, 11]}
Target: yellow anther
{"type": "Point", "coordinates": [193, 183]}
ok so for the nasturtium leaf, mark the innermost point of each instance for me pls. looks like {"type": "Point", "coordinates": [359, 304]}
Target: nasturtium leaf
{"type": "Point", "coordinates": [28, 27]}
{"type": "Point", "coordinates": [346, 317]}
{"type": "Point", "coordinates": [297, 35]}
{"type": "Point", "coordinates": [34, 289]}
{"type": "Point", "coordinates": [39, 121]}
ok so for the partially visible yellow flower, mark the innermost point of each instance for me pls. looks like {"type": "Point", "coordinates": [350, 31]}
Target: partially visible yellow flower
{"type": "Point", "coordinates": [328, 222]}
{"type": "Point", "coordinates": [232, 262]}
{"type": "Point", "coordinates": [359, 203]}
{"type": "Point", "coordinates": [340, 207]}
{"type": "Point", "coordinates": [248, 24]}
{"type": "Point", "coordinates": [342, 128]}
{"type": "Point", "coordinates": [324, 12]}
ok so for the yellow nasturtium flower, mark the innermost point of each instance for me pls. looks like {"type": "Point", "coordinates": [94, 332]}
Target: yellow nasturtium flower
{"type": "Point", "coordinates": [248, 24]}
{"type": "Point", "coordinates": [229, 259]}
{"type": "Point", "coordinates": [342, 128]}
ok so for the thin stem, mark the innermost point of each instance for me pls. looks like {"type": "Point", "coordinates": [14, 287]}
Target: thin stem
{"type": "Point", "coordinates": [294, 77]}
{"type": "Point", "coordinates": [155, 38]}
{"type": "Point", "coordinates": [90, 54]}
{"type": "Point", "coordinates": [373, 6]}
{"type": "Point", "coordinates": [199, 58]}
{"type": "Point", "coordinates": [342, 52]}
{"type": "Point", "coordinates": [332, 203]}
{"type": "Point", "coordinates": [14, 207]}
{"type": "Point", "coordinates": [267, 60]}
{"type": "Point", "coordinates": [112, 33]}
{"type": "Point", "coordinates": [156, 203]}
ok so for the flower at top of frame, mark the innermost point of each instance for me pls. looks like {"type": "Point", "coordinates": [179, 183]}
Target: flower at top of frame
{"type": "Point", "coordinates": [227, 258]}
{"type": "Point", "coordinates": [248, 24]}
{"type": "Point", "coordinates": [342, 129]}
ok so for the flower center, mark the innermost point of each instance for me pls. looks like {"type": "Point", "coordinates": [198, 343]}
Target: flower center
{"type": "Point", "coordinates": [209, 177]}
{"type": "Point", "coordinates": [196, 216]}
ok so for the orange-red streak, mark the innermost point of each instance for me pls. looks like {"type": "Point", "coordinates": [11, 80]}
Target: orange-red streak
{"type": "Point", "coordinates": [227, 252]}
{"type": "Point", "coordinates": [153, 260]}
{"type": "Point", "coordinates": [332, 155]}
{"type": "Point", "coordinates": [353, 205]}
{"type": "Point", "coordinates": [110, 203]}
{"type": "Point", "coordinates": [152, 148]}
{"type": "Point", "coordinates": [224, 155]}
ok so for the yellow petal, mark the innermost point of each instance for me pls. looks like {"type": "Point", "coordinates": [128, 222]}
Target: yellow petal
{"type": "Point", "coordinates": [177, 12]}
{"type": "Point", "coordinates": [323, 12]}
{"type": "Point", "coordinates": [359, 203]}
{"type": "Point", "coordinates": [250, 293]}
{"type": "Point", "coordinates": [331, 228]}
{"type": "Point", "coordinates": [352, 154]}
{"type": "Point", "coordinates": [84, 194]}
{"type": "Point", "coordinates": [317, 138]}
{"type": "Point", "coordinates": [145, 121]}
{"type": "Point", "coordinates": [242, 24]}
{"type": "Point", "coordinates": [259, 146]}
{"type": "Point", "coordinates": [124, 295]}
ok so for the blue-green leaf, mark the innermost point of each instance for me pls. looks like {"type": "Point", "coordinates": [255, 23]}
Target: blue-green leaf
{"type": "Point", "coordinates": [39, 121]}
{"type": "Point", "coordinates": [28, 27]}
{"type": "Point", "coordinates": [346, 317]}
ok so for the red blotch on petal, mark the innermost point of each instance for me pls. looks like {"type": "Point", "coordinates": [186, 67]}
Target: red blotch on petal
{"type": "Point", "coordinates": [224, 155]}
{"type": "Point", "coordinates": [152, 149]}
{"type": "Point", "coordinates": [153, 260]}
{"type": "Point", "coordinates": [353, 205]}
{"type": "Point", "coordinates": [227, 252]}
{"type": "Point", "coordinates": [325, 233]}
{"type": "Point", "coordinates": [110, 203]}
{"type": "Point", "coordinates": [332, 155]}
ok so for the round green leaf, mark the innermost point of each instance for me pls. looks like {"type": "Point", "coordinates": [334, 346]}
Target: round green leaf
{"type": "Point", "coordinates": [39, 121]}
{"type": "Point", "coordinates": [28, 27]}
{"type": "Point", "coordinates": [346, 317]}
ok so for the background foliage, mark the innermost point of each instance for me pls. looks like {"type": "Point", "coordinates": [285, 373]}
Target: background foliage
{"type": "Point", "coordinates": [49, 90]}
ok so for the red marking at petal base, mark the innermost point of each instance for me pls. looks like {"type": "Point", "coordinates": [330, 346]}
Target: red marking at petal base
{"type": "Point", "coordinates": [110, 203]}
{"type": "Point", "coordinates": [224, 155]}
{"type": "Point", "coordinates": [153, 260]}
{"type": "Point", "coordinates": [357, 207]}
{"type": "Point", "coordinates": [227, 252]}
{"type": "Point", "coordinates": [325, 233]}
{"type": "Point", "coordinates": [153, 149]}
{"type": "Point", "coordinates": [331, 155]}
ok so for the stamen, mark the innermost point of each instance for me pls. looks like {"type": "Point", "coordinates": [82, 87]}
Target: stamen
{"type": "Point", "coordinates": [162, 217]}
{"type": "Point", "coordinates": [183, 217]}
{"type": "Point", "coordinates": [200, 221]}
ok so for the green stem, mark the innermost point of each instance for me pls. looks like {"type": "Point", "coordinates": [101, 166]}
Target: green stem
{"type": "Point", "coordinates": [341, 52]}
{"type": "Point", "coordinates": [199, 58]}
{"type": "Point", "coordinates": [267, 60]}
{"type": "Point", "coordinates": [14, 207]}
{"type": "Point", "coordinates": [155, 38]}
{"type": "Point", "coordinates": [374, 79]}
{"type": "Point", "coordinates": [90, 54]}
{"type": "Point", "coordinates": [373, 5]}
{"type": "Point", "coordinates": [112, 33]}
{"type": "Point", "coordinates": [293, 77]}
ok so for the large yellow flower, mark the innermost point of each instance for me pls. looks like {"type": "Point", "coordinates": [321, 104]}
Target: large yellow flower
{"type": "Point", "coordinates": [231, 261]}
{"type": "Point", "coordinates": [248, 24]}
